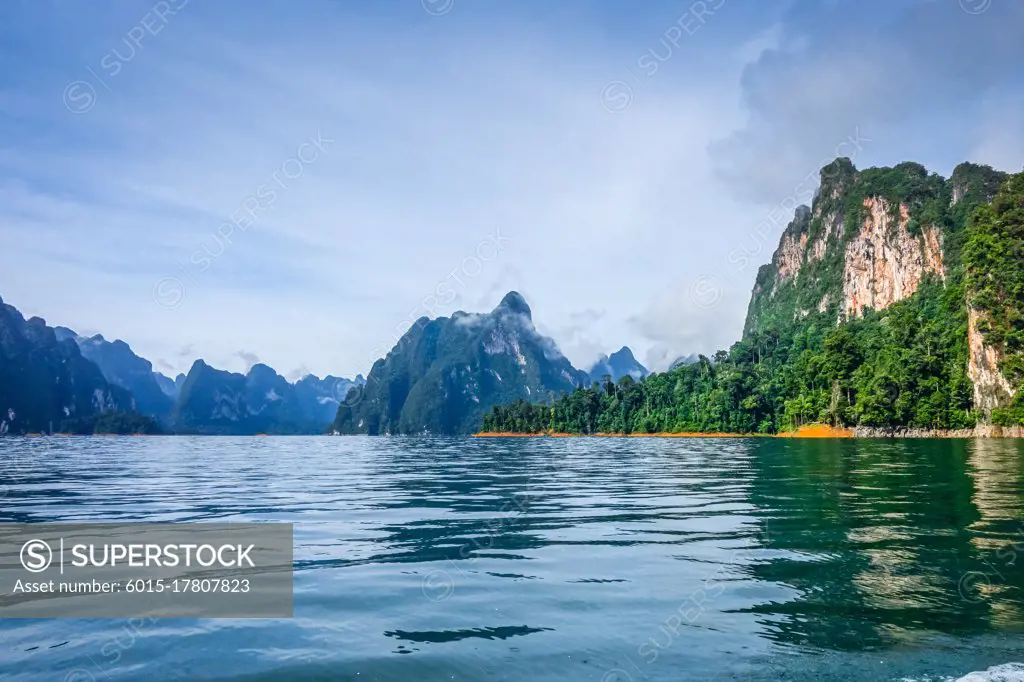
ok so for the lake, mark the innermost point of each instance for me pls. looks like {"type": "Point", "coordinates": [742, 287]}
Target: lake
{"type": "Point", "coordinates": [601, 559]}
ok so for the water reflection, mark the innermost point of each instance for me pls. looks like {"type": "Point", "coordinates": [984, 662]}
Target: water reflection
{"type": "Point", "coordinates": [888, 541]}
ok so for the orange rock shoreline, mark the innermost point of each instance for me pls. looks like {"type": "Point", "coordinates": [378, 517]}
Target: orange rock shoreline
{"type": "Point", "coordinates": [816, 431]}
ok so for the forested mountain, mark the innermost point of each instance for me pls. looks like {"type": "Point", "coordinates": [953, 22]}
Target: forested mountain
{"type": "Point", "coordinates": [445, 373]}
{"type": "Point", "coordinates": [46, 384]}
{"type": "Point", "coordinates": [620, 364]}
{"type": "Point", "coordinates": [213, 401]}
{"type": "Point", "coordinates": [895, 300]}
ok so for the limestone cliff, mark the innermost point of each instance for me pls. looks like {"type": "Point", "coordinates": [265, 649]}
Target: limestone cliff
{"type": "Point", "coordinates": [884, 263]}
{"type": "Point", "coordinates": [991, 388]}
{"type": "Point", "coordinates": [870, 240]}
{"type": "Point", "coordinates": [994, 278]}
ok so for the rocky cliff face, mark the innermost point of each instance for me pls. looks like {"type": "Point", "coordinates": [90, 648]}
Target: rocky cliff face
{"type": "Point", "coordinates": [884, 263]}
{"type": "Point", "coordinates": [994, 277]}
{"type": "Point", "coordinates": [991, 388]}
{"type": "Point", "coordinates": [320, 398]}
{"type": "Point", "coordinates": [833, 259]}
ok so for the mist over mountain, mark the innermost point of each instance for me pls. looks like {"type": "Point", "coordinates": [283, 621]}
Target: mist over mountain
{"type": "Point", "coordinates": [619, 364]}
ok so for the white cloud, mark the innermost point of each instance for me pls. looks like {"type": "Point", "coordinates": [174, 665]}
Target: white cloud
{"type": "Point", "coordinates": [443, 134]}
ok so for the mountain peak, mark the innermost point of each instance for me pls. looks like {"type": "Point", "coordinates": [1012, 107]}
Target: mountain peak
{"type": "Point", "coordinates": [63, 333]}
{"type": "Point", "coordinates": [623, 353]}
{"type": "Point", "coordinates": [621, 363]}
{"type": "Point", "coordinates": [515, 303]}
{"type": "Point", "coordinates": [261, 368]}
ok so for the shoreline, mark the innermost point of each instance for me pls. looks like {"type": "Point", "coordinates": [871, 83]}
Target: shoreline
{"type": "Point", "coordinates": [987, 431]}
{"type": "Point", "coordinates": [820, 431]}
{"type": "Point", "coordinates": [815, 431]}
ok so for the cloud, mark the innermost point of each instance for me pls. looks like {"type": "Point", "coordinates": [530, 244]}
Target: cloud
{"type": "Point", "coordinates": [843, 68]}
{"type": "Point", "coordinates": [700, 315]}
{"type": "Point", "coordinates": [579, 335]}
{"type": "Point", "coordinates": [298, 373]}
{"type": "Point", "coordinates": [248, 358]}
{"type": "Point", "coordinates": [1000, 142]}
{"type": "Point", "coordinates": [472, 320]}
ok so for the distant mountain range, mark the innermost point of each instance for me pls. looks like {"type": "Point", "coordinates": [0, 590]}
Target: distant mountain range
{"type": "Point", "coordinates": [445, 373]}
{"type": "Point", "coordinates": [212, 401]}
{"type": "Point", "coordinates": [52, 378]}
{"type": "Point", "coordinates": [441, 378]}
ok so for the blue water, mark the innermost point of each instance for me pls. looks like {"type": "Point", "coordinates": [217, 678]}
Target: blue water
{"type": "Point", "coordinates": [611, 560]}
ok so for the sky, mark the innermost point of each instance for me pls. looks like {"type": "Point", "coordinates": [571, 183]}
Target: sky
{"type": "Point", "coordinates": [296, 183]}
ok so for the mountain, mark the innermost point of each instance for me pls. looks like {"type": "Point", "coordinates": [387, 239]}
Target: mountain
{"type": "Point", "coordinates": [620, 364]}
{"type": "Point", "coordinates": [46, 383]}
{"type": "Point", "coordinates": [214, 401]}
{"type": "Point", "coordinates": [684, 360]}
{"type": "Point", "coordinates": [445, 373]}
{"type": "Point", "coordinates": [882, 236]}
{"type": "Point", "coordinates": [319, 398]}
{"type": "Point", "coordinates": [170, 387]}
{"type": "Point", "coordinates": [895, 301]}
{"type": "Point", "coordinates": [122, 367]}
